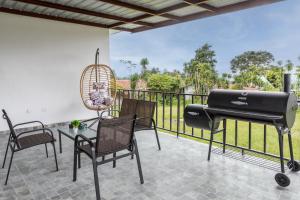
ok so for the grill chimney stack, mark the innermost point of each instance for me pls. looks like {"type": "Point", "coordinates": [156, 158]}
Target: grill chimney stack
{"type": "Point", "coordinates": [287, 83]}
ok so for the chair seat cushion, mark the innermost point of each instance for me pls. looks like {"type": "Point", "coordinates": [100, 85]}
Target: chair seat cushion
{"type": "Point", "coordinates": [107, 147]}
{"type": "Point", "coordinates": [35, 139]}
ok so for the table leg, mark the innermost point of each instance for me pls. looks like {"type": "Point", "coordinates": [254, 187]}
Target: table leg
{"type": "Point", "coordinates": [79, 159]}
{"type": "Point", "coordinates": [59, 139]}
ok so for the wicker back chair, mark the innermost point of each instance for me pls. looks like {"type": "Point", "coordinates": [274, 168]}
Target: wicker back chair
{"type": "Point", "coordinates": [113, 135]}
{"type": "Point", "coordinates": [23, 140]}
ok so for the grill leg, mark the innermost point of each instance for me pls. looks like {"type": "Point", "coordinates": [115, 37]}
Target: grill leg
{"type": "Point", "coordinates": [96, 179]}
{"type": "Point", "coordinates": [6, 152]}
{"type": "Point", "coordinates": [11, 158]}
{"type": "Point", "coordinates": [280, 139]}
{"type": "Point", "coordinates": [54, 150]}
{"type": "Point", "coordinates": [291, 147]}
{"type": "Point", "coordinates": [157, 139]}
{"type": "Point", "coordinates": [46, 150]}
{"type": "Point", "coordinates": [138, 161]}
{"type": "Point", "coordinates": [114, 162]}
{"type": "Point", "coordinates": [224, 135]}
{"type": "Point", "coordinates": [210, 144]}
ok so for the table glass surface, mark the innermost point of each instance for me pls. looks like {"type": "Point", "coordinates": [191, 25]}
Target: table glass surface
{"type": "Point", "coordinates": [87, 132]}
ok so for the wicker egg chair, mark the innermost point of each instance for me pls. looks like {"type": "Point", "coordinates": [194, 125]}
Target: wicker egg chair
{"type": "Point", "coordinates": [98, 86]}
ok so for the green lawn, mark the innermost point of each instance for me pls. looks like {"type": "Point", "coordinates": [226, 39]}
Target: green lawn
{"type": "Point", "coordinates": [257, 132]}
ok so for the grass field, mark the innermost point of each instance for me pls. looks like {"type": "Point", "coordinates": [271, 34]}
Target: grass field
{"type": "Point", "coordinates": [243, 136]}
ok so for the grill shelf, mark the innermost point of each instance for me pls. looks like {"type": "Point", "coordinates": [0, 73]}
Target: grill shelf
{"type": "Point", "coordinates": [249, 157]}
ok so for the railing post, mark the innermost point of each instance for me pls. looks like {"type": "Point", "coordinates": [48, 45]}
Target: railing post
{"type": "Point", "coordinates": [250, 135]}
{"type": "Point", "coordinates": [265, 138]}
{"type": "Point", "coordinates": [171, 113]}
{"type": "Point", "coordinates": [178, 114]}
{"type": "Point", "coordinates": [183, 108]}
{"type": "Point", "coordinates": [156, 110]}
{"type": "Point", "coordinates": [192, 103]}
{"type": "Point", "coordinates": [236, 133]}
{"type": "Point", "coordinates": [163, 114]}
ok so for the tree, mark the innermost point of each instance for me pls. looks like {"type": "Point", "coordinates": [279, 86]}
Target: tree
{"type": "Point", "coordinates": [200, 71]}
{"type": "Point", "coordinates": [250, 68]}
{"type": "Point", "coordinates": [163, 82]}
{"type": "Point", "coordinates": [224, 81]}
{"type": "Point", "coordinates": [133, 80]}
{"type": "Point", "coordinates": [275, 76]}
{"type": "Point", "coordinates": [144, 63]}
{"type": "Point", "coordinates": [289, 66]}
{"type": "Point", "coordinates": [129, 63]}
{"type": "Point", "coordinates": [154, 70]}
{"type": "Point", "coordinates": [259, 59]}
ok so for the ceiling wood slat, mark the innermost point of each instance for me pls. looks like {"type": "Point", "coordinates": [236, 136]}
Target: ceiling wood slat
{"type": "Point", "coordinates": [130, 15]}
{"type": "Point", "coordinates": [79, 10]}
{"type": "Point", "coordinates": [221, 10]}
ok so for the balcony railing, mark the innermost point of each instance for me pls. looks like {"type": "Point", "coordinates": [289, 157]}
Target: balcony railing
{"type": "Point", "coordinates": [260, 139]}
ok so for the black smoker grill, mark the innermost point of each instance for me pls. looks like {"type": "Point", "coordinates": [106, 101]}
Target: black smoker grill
{"type": "Point", "coordinates": [273, 108]}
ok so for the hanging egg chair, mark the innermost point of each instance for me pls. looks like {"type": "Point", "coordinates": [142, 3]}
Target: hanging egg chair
{"type": "Point", "coordinates": [98, 86]}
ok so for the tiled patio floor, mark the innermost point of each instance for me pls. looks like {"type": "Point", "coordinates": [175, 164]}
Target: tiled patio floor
{"type": "Point", "coordinates": [179, 171]}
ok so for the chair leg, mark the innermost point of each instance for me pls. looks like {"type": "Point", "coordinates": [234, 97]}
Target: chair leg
{"type": "Point", "coordinates": [79, 158]}
{"type": "Point", "coordinates": [55, 156]}
{"type": "Point", "coordinates": [6, 153]}
{"type": "Point", "coordinates": [155, 130]}
{"type": "Point", "coordinates": [75, 164]}
{"type": "Point", "coordinates": [11, 158]}
{"type": "Point", "coordinates": [138, 162]}
{"type": "Point", "coordinates": [114, 162]}
{"type": "Point", "coordinates": [96, 179]}
{"type": "Point", "coordinates": [46, 150]}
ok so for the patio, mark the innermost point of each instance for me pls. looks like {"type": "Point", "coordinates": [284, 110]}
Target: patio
{"type": "Point", "coordinates": [179, 171]}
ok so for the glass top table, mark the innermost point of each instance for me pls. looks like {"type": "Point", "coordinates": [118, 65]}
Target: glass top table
{"type": "Point", "coordinates": [71, 134]}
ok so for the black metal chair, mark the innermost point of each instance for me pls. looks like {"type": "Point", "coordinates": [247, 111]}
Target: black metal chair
{"type": "Point", "coordinates": [144, 111]}
{"type": "Point", "coordinates": [113, 135]}
{"type": "Point", "coordinates": [21, 141]}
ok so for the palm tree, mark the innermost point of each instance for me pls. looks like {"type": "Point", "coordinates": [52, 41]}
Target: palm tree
{"type": "Point", "coordinates": [289, 66]}
{"type": "Point", "coordinates": [144, 63]}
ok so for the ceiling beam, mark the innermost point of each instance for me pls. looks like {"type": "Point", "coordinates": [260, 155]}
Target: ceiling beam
{"type": "Point", "coordinates": [138, 8]}
{"type": "Point", "coordinates": [195, 1]}
{"type": "Point", "coordinates": [221, 10]}
{"type": "Point", "coordinates": [81, 11]}
{"type": "Point", "coordinates": [202, 4]}
{"type": "Point", "coordinates": [49, 17]}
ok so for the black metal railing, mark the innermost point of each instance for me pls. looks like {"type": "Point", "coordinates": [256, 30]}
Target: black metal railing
{"type": "Point", "coordinates": [242, 136]}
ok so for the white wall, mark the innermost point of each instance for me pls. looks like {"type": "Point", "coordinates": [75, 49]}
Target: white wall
{"type": "Point", "coordinates": [40, 67]}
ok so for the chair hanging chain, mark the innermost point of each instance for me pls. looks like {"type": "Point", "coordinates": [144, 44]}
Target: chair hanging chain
{"type": "Point", "coordinates": [96, 63]}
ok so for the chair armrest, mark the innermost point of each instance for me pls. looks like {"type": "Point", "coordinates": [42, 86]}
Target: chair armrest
{"type": "Point", "coordinates": [108, 111]}
{"type": "Point", "coordinates": [87, 120]}
{"type": "Point", "coordinates": [45, 131]}
{"type": "Point", "coordinates": [84, 139]}
{"type": "Point", "coordinates": [31, 122]}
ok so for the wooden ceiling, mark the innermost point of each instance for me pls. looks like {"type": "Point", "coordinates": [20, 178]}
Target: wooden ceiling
{"type": "Point", "coordinates": [126, 15]}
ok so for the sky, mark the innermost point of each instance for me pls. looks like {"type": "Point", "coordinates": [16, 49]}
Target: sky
{"type": "Point", "coordinates": [274, 28]}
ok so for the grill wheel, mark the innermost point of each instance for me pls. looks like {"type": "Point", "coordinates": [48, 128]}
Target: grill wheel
{"type": "Point", "coordinates": [282, 180]}
{"type": "Point", "coordinates": [294, 167]}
